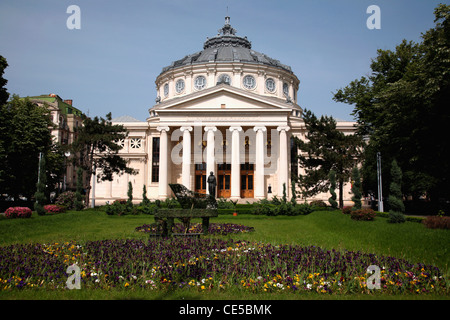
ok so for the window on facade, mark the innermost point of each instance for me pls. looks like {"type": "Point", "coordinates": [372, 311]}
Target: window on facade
{"type": "Point", "coordinates": [249, 82]}
{"type": "Point", "coordinates": [120, 142]}
{"type": "Point", "coordinates": [270, 85]}
{"type": "Point", "coordinates": [285, 89]}
{"type": "Point", "coordinates": [155, 160]}
{"type": "Point", "coordinates": [200, 82]}
{"type": "Point", "coordinates": [135, 143]}
{"type": "Point", "coordinates": [166, 90]}
{"type": "Point", "coordinates": [179, 86]}
{"type": "Point", "coordinates": [294, 161]}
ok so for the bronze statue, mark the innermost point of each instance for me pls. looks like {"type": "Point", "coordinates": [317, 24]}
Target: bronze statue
{"type": "Point", "coordinates": [212, 185]}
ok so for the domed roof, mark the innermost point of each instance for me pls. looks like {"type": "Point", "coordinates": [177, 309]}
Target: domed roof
{"type": "Point", "coordinates": [227, 47]}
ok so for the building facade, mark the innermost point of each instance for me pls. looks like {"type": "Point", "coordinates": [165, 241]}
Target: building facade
{"type": "Point", "coordinates": [226, 110]}
{"type": "Point", "coordinates": [66, 118]}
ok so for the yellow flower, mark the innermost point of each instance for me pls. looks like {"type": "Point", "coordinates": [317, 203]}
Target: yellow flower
{"type": "Point", "coordinates": [126, 284]}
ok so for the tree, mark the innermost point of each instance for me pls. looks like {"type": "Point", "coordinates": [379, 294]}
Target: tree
{"type": "Point", "coordinates": [325, 149]}
{"type": "Point", "coordinates": [4, 95]}
{"type": "Point", "coordinates": [395, 196]}
{"type": "Point", "coordinates": [332, 199]}
{"type": "Point", "coordinates": [130, 195]}
{"type": "Point", "coordinates": [145, 200]}
{"type": "Point", "coordinates": [402, 105]}
{"type": "Point", "coordinates": [40, 187]}
{"type": "Point", "coordinates": [356, 189]}
{"type": "Point", "coordinates": [96, 150]}
{"type": "Point", "coordinates": [24, 134]}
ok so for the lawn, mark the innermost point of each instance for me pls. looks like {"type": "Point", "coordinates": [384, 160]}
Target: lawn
{"type": "Point", "coordinates": [325, 229]}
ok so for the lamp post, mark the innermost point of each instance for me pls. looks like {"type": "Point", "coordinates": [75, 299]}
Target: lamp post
{"type": "Point", "coordinates": [67, 155]}
{"type": "Point", "coordinates": [380, 186]}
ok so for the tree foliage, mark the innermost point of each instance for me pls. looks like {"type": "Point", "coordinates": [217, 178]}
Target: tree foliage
{"type": "Point", "coordinates": [325, 149]}
{"type": "Point", "coordinates": [395, 195]}
{"type": "Point", "coordinates": [96, 148]}
{"type": "Point", "coordinates": [403, 106]}
{"type": "Point", "coordinates": [24, 133]}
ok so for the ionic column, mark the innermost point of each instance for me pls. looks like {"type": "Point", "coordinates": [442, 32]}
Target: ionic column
{"type": "Point", "coordinates": [210, 161]}
{"type": "Point", "coordinates": [235, 163]}
{"type": "Point", "coordinates": [283, 170]}
{"type": "Point", "coordinates": [186, 167]}
{"type": "Point", "coordinates": [259, 163]}
{"type": "Point", "coordinates": [163, 158]}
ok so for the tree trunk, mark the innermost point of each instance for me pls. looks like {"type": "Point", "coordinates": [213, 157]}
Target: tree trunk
{"type": "Point", "coordinates": [341, 194]}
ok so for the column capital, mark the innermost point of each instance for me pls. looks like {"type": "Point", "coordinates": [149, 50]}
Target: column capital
{"type": "Point", "coordinates": [284, 128]}
{"type": "Point", "coordinates": [235, 128]}
{"type": "Point", "coordinates": [163, 128]}
{"type": "Point", "coordinates": [214, 129]}
{"type": "Point", "coordinates": [258, 128]}
{"type": "Point", "coordinates": [182, 129]}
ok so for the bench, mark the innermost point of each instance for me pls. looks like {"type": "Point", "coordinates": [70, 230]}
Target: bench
{"type": "Point", "coordinates": [193, 205]}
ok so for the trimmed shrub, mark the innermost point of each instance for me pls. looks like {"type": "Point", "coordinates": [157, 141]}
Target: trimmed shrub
{"type": "Point", "coordinates": [363, 214]}
{"type": "Point", "coordinates": [347, 209]}
{"type": "Point", "coordinates": [18, 212]}
{"type": "Point", "coordinates": [147, 209]}
{"type": "Point", "coordinates": [318, 203]}
{"type": "Point", "coordinates": [54, 208]}
{"type": "Point", "coordinates": [66, 199]}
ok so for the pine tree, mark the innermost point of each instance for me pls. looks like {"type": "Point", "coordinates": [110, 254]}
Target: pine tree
{"type": "Point", "coordinates": [356, 188]}
{"type": "Point", "coordinates": [40, 192]}
{"type": "Point", "coordinates": [332, 199]}
{"type": "Point", "coordinates": [396, 206]}
{"type": "Point", "coordinates": [78, 197]}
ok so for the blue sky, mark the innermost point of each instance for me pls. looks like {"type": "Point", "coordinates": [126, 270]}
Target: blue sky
{"type": "Point", "coordinates": [111, 63]}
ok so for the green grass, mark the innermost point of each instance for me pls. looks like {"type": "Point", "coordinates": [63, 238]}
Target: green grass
{"type": "Point", "coordinates": [329, 230]}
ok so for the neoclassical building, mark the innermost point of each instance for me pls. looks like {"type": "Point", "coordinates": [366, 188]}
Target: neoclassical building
{"type": "Point", "coordinates": [227, 109]}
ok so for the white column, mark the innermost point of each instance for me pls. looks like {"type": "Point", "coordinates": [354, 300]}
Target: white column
{"type": "Point", "coordinates": [163, 159]}
{"type": "Point", "coordinates": [259, 163]}
{"type": "Point", "coordinates": [283, 169]}
{"type": "Point", "coordinates": [186, 167]}
{"type": "Point", "coordinates": [210, 161]}
{"type": "Point", "coordinates": [235, 163]}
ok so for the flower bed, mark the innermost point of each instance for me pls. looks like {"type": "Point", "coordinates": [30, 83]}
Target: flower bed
{"type": "Point", "coordinates": [18, 212]}
{"type": "Point", "coordinates": [207, 264]}
{"type": "Point", "coordinates": [214, 228]}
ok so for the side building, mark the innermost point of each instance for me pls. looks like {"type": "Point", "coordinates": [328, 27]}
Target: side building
{"type": "Point", "coordinates": [66, 119]}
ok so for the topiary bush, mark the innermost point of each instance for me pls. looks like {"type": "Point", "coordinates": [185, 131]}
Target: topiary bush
{"type": "Point", "coordinates": [18, 212]}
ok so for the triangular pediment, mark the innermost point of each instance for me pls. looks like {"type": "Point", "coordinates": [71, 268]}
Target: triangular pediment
{"type": "Point", "coordinates": [223, 97]}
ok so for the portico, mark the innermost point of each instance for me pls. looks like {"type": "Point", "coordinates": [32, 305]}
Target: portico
{"type": "Point", "coordinates": [245, 148]}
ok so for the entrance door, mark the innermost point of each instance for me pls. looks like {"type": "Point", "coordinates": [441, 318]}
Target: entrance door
{"type": "Point", "coordinates": [247, 171]}
{"type": "Point", "coordinates": [200, 178]}
{"type": "Point", "coordinates": [223, 180]}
